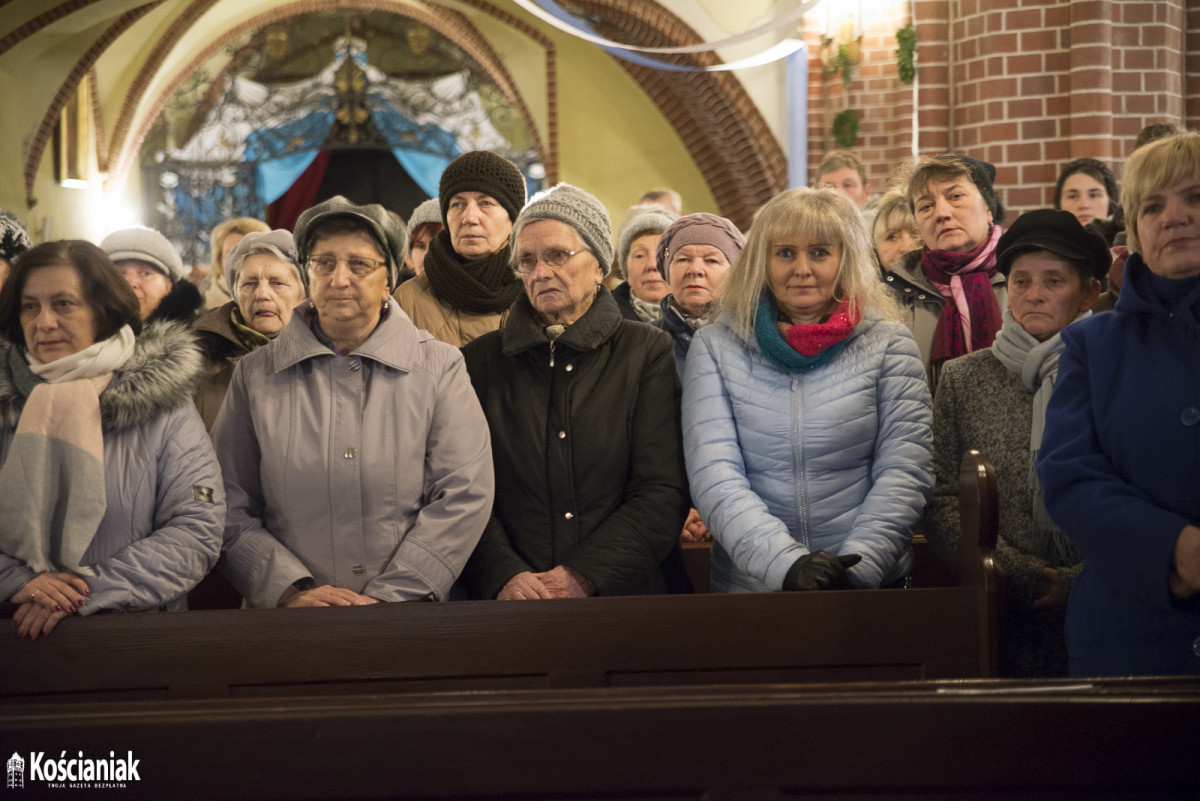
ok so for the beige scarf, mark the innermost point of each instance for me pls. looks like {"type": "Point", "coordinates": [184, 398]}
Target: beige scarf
{"type": "Point", "coordinates": [52, 493]}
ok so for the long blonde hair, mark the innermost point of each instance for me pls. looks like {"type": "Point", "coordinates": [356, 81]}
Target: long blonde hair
{"type": "Point", "coordinates": [824, 215]}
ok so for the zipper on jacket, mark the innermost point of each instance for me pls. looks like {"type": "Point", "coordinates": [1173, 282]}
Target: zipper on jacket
{"type": "Point", "coordinates": [798, 451]}
{"type": "Point", "coordinates": [551, 353]}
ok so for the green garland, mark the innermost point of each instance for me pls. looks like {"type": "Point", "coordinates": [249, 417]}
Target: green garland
{"type": "Point", "coordinates": [845, 129]}
{"type": "Point", "coordinates": [844, 64]}
{"type": "Point", "coordinates": [906, 37]}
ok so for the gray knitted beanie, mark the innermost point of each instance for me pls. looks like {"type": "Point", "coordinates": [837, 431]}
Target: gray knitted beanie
{"type": "Point", "coordinates": [483, 171]}
{"type": "Point", "coordinates": [144, 244]}
{"type": "Point", "coordinates": [700, 228]}
{"type": "Point", "coordinates": [388, 231]}
{"type": "Point", "coordinates": [278, 243]}
{"type": "Point", "coordinates": [428, 212]}
{"type": "Point", "coordinates": [649, 218]}
{"type": "Point", "coordinates": [576, 208]}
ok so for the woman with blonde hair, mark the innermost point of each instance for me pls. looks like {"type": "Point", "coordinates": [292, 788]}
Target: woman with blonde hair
{"type": "Point", "coordinates": [806, 411]}
{"type": "Point", "coordinates": [894, 229]}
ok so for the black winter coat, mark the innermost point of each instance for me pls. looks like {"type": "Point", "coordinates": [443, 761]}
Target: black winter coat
{"type": "Point", "coordinates": [588, 453]}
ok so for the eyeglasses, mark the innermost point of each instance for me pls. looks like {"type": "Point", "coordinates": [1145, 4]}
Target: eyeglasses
{"type": "Point", "coordinates": [555, 259]}
{"type": "Point", "coordinates": [361, 266]}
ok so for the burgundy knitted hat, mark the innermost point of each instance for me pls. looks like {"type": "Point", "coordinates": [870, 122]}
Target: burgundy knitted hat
{"type": "Point", "coordinates": [699, 229]}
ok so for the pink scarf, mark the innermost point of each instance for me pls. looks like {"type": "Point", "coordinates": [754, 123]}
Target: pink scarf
{"type": "Point", "coordinates": [809, 340]}
{"type": "Point", "coordinates": [971, 316]}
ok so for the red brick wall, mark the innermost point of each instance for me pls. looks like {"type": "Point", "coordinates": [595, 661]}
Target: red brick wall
{"type": "Point", "coordinates": [1025, 84]}
{"type": "Point", "coordinates": [884, 105]}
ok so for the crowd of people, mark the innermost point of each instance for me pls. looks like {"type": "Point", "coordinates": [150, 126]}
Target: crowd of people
{"type": "Point", "coordinates": [363, 410]}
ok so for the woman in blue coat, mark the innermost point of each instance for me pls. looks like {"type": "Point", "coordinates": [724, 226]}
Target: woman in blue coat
{"type": "Point", "coordinates": [1120, 460]}
{"type": "Point", "coordinates": [806, 411]}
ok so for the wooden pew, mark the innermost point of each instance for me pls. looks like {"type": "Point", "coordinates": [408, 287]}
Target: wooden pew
{"type": "Point", "coordinates": [1111, 739]}
{"type": "Point", "coordinates": [853, 635]}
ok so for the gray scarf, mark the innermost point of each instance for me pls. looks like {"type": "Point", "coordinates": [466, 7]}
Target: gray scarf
{"type": "Point", "coordinates": [646, 311]}
{"type": "Point", "coordinates": [1037, 365]}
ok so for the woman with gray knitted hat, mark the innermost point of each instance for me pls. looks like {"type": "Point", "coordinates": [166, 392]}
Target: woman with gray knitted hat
{"type": "Point", "coordinates": [950, 290]}
{"type": "Point", "coordinates": [694, 255]}
{"type": "Point", "coordinates": [262, 277]}
{"type": "Point", "coordinates": [644, 287]}
{"type": "Point", "coordinates": [423, 226]}
{"type": "Point", "coordinates": [351, 402]}
{"type": "Point", "coordinates": [468, 285]}
{"type": "Point", "coordinates": [583, 408]}
{"type": "Point", "coordinates": [155, 272]}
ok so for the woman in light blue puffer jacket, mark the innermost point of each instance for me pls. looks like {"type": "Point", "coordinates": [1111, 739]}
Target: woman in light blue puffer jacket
{"type": "Point", "coordinates": [806, 411]}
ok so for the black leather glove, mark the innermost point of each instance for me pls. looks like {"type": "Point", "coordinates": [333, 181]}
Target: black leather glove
{"type": "Point", "coordinates": [820, 570]}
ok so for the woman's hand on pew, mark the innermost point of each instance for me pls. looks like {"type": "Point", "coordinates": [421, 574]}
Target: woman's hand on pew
{"type": "Point", "coordinates": [820, 570]}
{"type": "Point", "coordinates": [694, 529]}
{"type": "Point", "coordinates": [1185, 577]}
{"type": "Point", "coordinates": [524, 587]}
{"type": "Point", "coordinates": [34, 620]}
{"type": "Point", "coordinates": [57, 592]}
{"type": "Point", "coordinates": [325, 595]}
{"type": "Point", "coordinates": [563, 582]}
{"type": "Point", "coordinates": [1049, 596]}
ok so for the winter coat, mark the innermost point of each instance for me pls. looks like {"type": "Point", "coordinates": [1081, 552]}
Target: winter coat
{"type": "Point", "coordinates": [370, 471]}
{"type": "Point", "coordinates": [222, 350]}
{"type": "Point", "coordinates": [1120, 466]}
{"type": "Point", "coordinates": [439, 318]}
{"type": "Point", "coordinates": [922, 303]}
{"type": "Point", "coordinates": [982, 405]}
{"type": "Point", "coordinates": [781, 465]}
{"type": "Point", "coordinates": [681, 333]}
{"type": "Point", "coordinates": [588, 456]}
{"type": "Point", "coordinates": [161, 530]}
{"type": "Point", "coordinates": [621, 295]}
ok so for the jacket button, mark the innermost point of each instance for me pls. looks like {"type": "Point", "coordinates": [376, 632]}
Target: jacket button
{"type": "Point", "coordinates": [570, 367]}
{"type": "Point", "coordinates": [1190, 416]}
{"type": "Point", "coordinates": [351, 453]}
{"type": "Point", "coordinates": [920, 297]}
{"type": "Point", "coordinates": [1196, 647]}
{"type": "Point", "coordinates": [562, 434]}
{"type": "Point", "coordinates": [355, 366]}
{"type": "Point", "coordinates": [358, 570]}
{"type": "Point", "coordinates": [569, 516]}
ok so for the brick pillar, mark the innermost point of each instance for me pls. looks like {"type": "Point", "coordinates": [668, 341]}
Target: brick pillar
{"type": "Point", "coordinates": [1091, 122]}
{"type": "Point", "coordinates": [1191, 55]}
{"type": "Point", "coordinates": [934, 123]}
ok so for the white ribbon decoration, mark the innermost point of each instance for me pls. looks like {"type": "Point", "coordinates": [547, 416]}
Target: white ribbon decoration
{"type": "Point", "coordinates": [705, 47]}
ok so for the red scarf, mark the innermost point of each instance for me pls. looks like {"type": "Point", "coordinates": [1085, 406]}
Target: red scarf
{"type": "Point", "coordinates": [970, 316]}
{"type": "Point", "coordinates": [809, 340]}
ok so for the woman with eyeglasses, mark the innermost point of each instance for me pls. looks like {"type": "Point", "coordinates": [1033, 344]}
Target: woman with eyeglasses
{"type": "Point", "coordinates": [356, 460]}
{"type": "Point", "coordinates": [583, 407]}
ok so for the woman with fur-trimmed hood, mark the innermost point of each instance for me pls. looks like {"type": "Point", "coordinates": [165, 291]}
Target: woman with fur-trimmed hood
{"type": "Point", "coordinates": [110, 491]}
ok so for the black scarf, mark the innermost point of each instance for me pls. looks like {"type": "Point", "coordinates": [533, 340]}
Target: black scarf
{"type": "Point", "coordinates": [479, 286]}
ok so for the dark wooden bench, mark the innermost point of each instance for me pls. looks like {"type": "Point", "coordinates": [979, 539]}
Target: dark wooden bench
{"type": "Point", "coordinates": [1060, 740]}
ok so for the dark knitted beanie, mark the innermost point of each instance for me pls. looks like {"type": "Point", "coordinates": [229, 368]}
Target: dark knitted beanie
{"type": "Point", "coordinates": [983, 175]}
{"type": "Point", "coordinates": [483, 171]}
